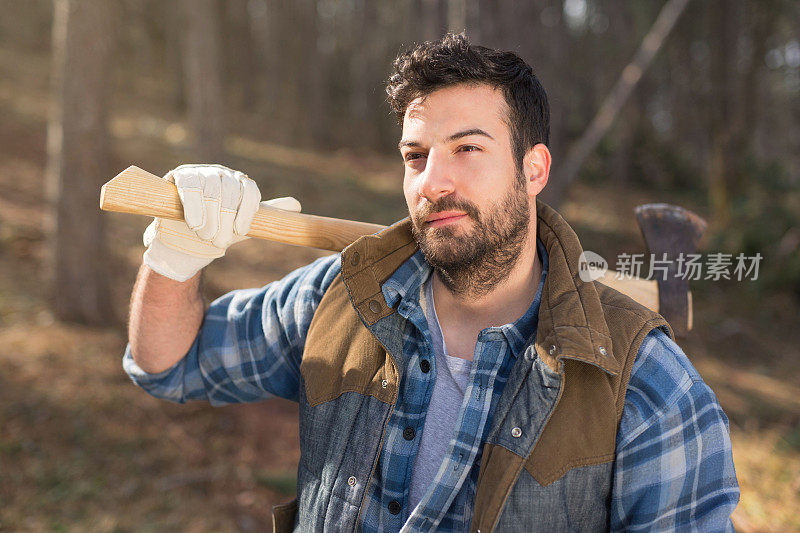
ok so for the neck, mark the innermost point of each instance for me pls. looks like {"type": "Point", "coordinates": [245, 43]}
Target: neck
{"type": "Point", "coordinates": [506, 301]}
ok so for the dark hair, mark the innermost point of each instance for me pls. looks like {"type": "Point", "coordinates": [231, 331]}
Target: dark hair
{"type": "Point", "coordinates": [452, 60]}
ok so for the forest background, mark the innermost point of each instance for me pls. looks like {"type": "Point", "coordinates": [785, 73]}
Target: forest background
{"type": "Point", "coordinates": [691, 102]}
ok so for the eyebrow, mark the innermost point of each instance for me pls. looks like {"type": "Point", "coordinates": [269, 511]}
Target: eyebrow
{"type": "Point", "coordinates": [453, 137]}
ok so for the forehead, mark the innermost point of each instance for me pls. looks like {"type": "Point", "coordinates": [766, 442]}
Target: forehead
{"type": "Point", "coordinates": [455, 109]}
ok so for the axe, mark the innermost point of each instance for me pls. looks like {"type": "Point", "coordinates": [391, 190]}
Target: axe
{"type": "Point", "coordinates": [666, 229]}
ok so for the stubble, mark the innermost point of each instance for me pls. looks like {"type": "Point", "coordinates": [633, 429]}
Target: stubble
{"type": "Point", "coordinates": [475, 261]}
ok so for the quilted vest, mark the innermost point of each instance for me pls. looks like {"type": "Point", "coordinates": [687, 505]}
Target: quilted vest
{"type": "Point", "coordinates": [565, 392]}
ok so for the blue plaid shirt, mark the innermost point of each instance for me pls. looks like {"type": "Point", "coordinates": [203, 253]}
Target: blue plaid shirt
{"type": "Point", "coordinates": [674, 466]}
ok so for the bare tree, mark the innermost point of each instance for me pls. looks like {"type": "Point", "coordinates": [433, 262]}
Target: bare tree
{"type": "Point", "coordinates": [434, 18]}
{"type": "Point", "coordinates": [456, 15]}
{"type": "Point", "coordinates": [315, 75]}
{"type": "Point", "coordinates": [264, 26]}
{"type": "Point", "coordinates": [547, 47]}
{"type": "Point", "coordinates": [608, 112]}
{"type": "Point", "coordinates": [202, 51]}
{"type": "Point", "coordinates": [240, 52]}
{"type": "Point", "coordinates": [726, 109]}
{"type": "Point", "coordinates": [78, 160]}
{"type": "Point", "coordinates": [365, 81]}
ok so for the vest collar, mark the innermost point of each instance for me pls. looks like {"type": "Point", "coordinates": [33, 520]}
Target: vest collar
{"type": "Point", "coordinates": [571, 320]}
{"type": "Point", "coordinates": [572, 323]}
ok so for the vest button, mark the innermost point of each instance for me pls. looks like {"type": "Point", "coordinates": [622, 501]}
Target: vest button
{"type": "Point", "coordinates": [602, 351]}
{"type": "Point", "coordinates": [409, 433]}
{"type": "Point", "coordinates": [516, 432]}
{"type": "Point", "coordinates": [351, 480]}
{"type": "Point", "coordinates": [394, 507]}
{"type": "Point", "coordinates": [375, 306]}
{"type": "Point", "coordinates": [355, 258]}
{"type": "Point", "coordinates": [425, 365]}
{"type": "Point", "coordinates": [384, 383]}
{"type": "Point", "coordinates": [552, 349]}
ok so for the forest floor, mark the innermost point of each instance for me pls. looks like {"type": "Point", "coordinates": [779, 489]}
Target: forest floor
{"type": "Point", "coordinates": [82, 449]}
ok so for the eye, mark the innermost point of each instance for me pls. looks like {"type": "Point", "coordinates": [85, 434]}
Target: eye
{"type": "Point", "coordinates": [411, 156]}
{"type": "Point", "coordinates": [468, 148]}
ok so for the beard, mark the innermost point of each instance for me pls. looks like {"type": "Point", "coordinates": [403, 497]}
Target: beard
{"type": "Point", "coordinates": [474, 262]}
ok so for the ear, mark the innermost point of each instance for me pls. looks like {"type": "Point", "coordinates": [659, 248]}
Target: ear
{"type": "Point", "coordinates": [536, 168]}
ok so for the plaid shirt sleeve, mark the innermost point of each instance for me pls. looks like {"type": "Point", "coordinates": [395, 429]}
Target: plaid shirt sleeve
{"type": "Point", "coordinates": [250, 344]}
{"type": "Point", "coordinates": [674, 468]}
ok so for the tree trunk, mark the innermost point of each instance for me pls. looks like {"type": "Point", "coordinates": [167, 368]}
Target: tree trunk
{"type": "Point", "coordinates": [173, 55]}
{"type": "Point", "coordinates": [203, 75]}
{"type": "Point", "coordinates": [264, 29]}
{"type": "Point", "coordinates": [315, 76]}
{"type": "Point", "coordinates": [548, 48]}
{"type": "Point", "coordinates": [365, 80]}
{"type": "Point", "coordinates": [472, 21]}
{"type": "Point", "coordinates": [242, 64]}
{"type": "Point", "coordinates": [488, 23]}
{"type": "Point", "coordinates": [79, 160]}
{"type": "Point", "coordinates": [434, 19]}
{"type": "Point", "coordinates": [290, 126]}
{"type": "Point", "coordinates": [456, 16]}
{"type": "Point", "coordinates": [724, 113]}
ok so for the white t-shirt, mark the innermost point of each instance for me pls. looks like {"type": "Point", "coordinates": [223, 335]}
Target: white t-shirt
{"type": "Point", "coordinates": [452, 376]}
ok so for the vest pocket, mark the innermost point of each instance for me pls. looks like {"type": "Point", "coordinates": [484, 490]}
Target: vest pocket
{"type": "Point", "coordinates": [341, 355]}
{"type": "Point", "coordinates": [283, 516]}
{"type": "Point", "coordinates": [363, 367]}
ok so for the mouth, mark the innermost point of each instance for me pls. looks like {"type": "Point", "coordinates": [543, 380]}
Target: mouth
{"type": "Point", "coordinates": [444, 218]}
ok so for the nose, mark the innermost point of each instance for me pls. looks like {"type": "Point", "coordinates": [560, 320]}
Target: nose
{"type": "Point", "coordinates": [436, 181]}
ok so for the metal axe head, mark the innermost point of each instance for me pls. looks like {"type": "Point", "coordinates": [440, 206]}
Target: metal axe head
{"type": "Point", "coordinates": [669, 231]}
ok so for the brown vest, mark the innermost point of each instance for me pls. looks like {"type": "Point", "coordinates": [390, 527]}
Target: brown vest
{"type": "Point", "coordinates": [587, 332]}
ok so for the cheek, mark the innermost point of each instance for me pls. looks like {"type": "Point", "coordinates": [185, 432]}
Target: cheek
{"type": "Point", "coordinates": [409, 191]}
{"type": "Point", "coordinates": [476, 176]}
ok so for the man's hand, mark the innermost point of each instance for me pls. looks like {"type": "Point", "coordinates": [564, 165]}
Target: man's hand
{"type": "Point", "coordinates": [218, 206]}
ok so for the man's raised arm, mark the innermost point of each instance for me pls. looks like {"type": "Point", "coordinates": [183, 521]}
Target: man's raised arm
{"type": "Point", "coordinates": [166, 305]}
{"type": "Point", "coordinates": [165, 317]}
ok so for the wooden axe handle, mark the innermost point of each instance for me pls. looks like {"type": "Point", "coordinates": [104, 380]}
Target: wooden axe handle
{"type": "Point", "coordinates": [139, 192]}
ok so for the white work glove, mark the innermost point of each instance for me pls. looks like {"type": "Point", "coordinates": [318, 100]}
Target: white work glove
{"type": "Point", "coordinates": [218, 205]}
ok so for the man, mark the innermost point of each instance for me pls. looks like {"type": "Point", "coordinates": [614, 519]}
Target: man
{"type": "Point", "coordinates": [453, 371]}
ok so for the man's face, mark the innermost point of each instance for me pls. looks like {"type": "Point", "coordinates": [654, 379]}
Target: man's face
{"type": "Point", "coordinates": [468, 204]}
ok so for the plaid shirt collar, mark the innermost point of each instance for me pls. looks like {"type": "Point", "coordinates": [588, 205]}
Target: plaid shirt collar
{"type": "Point", "coordinates": [401, 291]}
